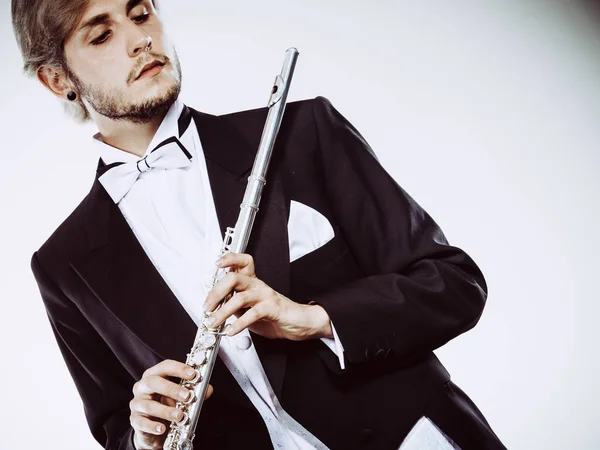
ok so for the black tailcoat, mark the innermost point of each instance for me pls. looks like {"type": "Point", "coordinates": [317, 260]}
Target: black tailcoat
{"type": "Point", "coordinates": [390, 282]}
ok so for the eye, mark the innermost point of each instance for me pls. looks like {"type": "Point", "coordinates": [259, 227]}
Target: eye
{"type": "Point", "coordinates": [100, 39]}
{"type": "Point", "coordinates": [141, 19]}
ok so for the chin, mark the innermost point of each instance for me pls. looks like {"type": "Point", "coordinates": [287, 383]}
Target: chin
{"type": "Point", "coordinates": [160, 94]}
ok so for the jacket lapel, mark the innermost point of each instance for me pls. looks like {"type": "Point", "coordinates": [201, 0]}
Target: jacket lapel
{"type": "Point", "coordinates": [119, 272]}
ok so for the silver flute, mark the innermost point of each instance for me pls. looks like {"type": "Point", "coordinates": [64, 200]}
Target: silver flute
{"type": "Point", "coordinates": [204, 352]}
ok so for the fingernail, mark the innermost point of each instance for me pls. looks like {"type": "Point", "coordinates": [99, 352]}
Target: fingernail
{"type": "Point", "coordinates": [189, 371]}
{"type": "Point", "coordinates": [176, 415]}
{"type": "Point", "coordinates": [184, 394]}
{"type": "Point", "coordinates": [159, 428]}
{"type": "Point", "coordinates": [219, 262]}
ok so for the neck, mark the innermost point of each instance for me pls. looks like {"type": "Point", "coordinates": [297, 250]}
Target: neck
{"type": "Point", "coordinates": [128, 136]}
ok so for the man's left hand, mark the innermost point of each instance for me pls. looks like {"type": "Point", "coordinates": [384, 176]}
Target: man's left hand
{"type": "Point", "coordinates": [261, 309]}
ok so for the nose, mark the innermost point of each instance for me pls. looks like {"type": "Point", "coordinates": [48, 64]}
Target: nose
{"type": "Point", "coordinates": [140, 42]}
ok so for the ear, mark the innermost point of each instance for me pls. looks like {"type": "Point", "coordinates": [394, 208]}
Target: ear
{"type": "Point", "coordinates": [55, 81]}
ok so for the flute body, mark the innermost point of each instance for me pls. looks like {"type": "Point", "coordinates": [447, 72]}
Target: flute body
{"type": "Point", "coordinates": [203, 354]}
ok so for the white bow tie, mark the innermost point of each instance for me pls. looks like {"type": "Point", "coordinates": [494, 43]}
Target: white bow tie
{"type": "Point", "coordinates": [169, 154]}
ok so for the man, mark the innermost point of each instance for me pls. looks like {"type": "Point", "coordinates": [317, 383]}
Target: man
{"type": "Point", "coordinates": [350, 287]}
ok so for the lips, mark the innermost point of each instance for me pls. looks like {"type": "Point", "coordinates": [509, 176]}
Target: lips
{"type": "Point", "coordinates": [148, 66]}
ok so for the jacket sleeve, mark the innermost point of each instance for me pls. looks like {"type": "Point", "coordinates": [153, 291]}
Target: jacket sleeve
{"type": "Point", "coordinates": [103, 383]}
{"type": "Point", "coordinates": [418, 292]}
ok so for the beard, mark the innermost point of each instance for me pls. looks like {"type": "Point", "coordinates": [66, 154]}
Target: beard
{"type": "Point", "coordinates": [109, 103]}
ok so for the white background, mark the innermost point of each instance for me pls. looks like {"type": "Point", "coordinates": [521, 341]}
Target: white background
{"type": "Point", "coordinates": [486, 112]}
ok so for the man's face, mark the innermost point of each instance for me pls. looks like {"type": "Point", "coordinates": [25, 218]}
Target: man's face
{"type": "Point", "coordinates": [106, 53]}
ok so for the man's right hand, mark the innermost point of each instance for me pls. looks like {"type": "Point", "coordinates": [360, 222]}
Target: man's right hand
{"type": "Point", "coordinates": [153, 404]}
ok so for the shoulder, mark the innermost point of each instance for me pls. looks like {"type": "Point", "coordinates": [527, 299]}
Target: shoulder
{"type": "Point", "coordinates": [65, 242]}
{"type": "Point", "coordinates": [297, 112]}
{"type": "Point", "coordinates": [299, 109]}
{"type": "Point", "coordinates": [300, 116]}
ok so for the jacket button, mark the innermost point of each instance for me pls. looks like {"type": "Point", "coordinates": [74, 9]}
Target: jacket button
{"type": "Point", "coordinates": [366, 435]}
{"type": "Point", "coordinates": [243, 342]}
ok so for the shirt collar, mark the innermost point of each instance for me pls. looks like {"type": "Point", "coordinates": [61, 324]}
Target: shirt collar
{"type": "Point", "coordinates": [168, 127]}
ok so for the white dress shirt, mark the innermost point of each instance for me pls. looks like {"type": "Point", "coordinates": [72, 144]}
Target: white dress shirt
{"type": "Point", "coordinates": [173, 216]}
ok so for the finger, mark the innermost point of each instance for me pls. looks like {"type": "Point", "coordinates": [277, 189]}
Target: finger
{"type": "Point", "coordinates": [242, 263]}
{"type": "Point", "coordinates": [146, 425]}
{"type": "Point", "coordinates": [258, 312]}
{"type": "Point", "coordinates": [154, 409]}
{"type": "Point", "coordinates": [170, 367]}
{"type": "Point", "coordinates": [166, 400]}
{"type": "Point", "coordinates": [230, 282]}
{"type": "Point", "coordinates": [154, 384]}
{"type": "Point", "coordinates": [239, 301]}
{"type": "Point", "coordinates": [209, 391]}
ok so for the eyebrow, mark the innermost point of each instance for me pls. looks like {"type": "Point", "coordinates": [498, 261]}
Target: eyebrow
{"type": "Point", "coordinates": [101, 18]}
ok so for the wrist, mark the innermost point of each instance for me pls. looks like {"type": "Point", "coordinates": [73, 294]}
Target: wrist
{"type": "Point", "coordinates": [319, 324]}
